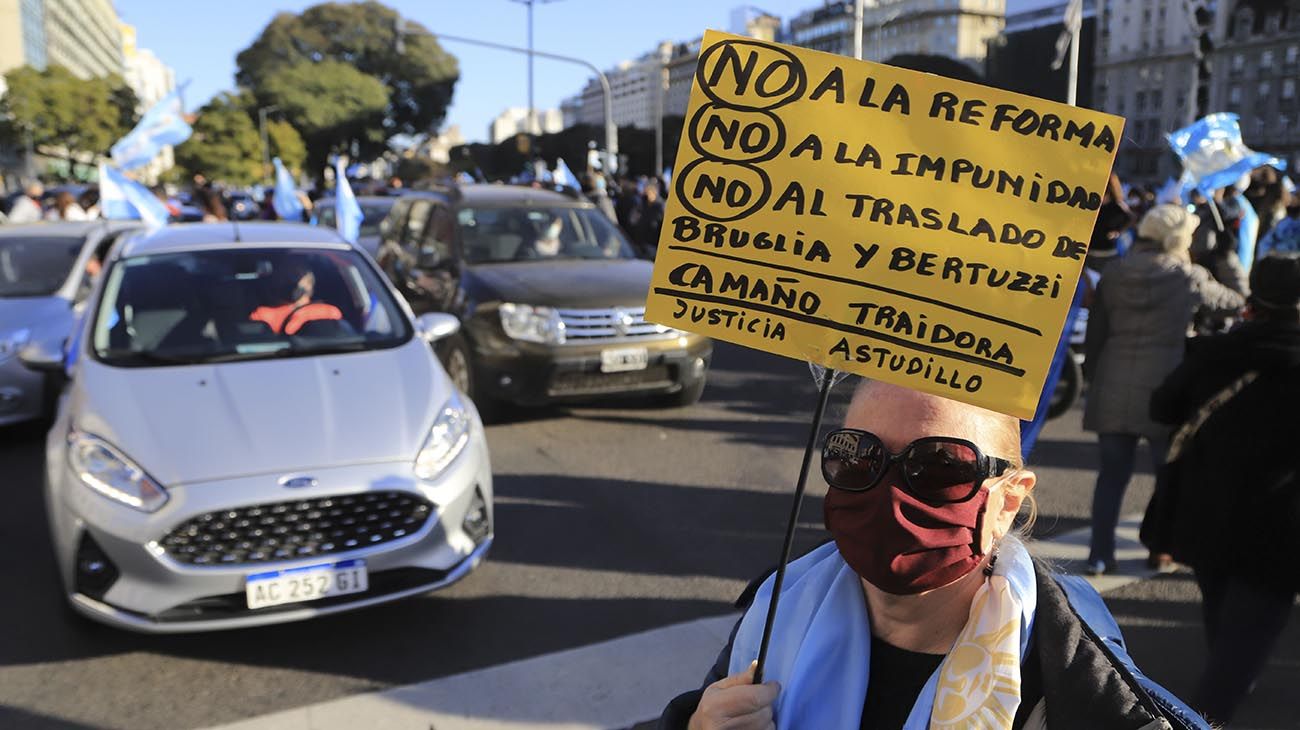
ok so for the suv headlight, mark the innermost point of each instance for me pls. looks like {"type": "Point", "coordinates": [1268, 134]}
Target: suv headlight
{"type": "Point", "coordinates": [532, 324]}
{"type": "Point", "coordinates": [108, 471]}
{"type": "Point", "coordinates": [446, 439]}
{"type": "Point", "coordinates": [11, 343]}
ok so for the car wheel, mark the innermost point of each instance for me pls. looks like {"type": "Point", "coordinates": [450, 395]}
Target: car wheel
{"type": "Point", "coordinates": [457, 361]}
{"type": "Point", "coordinates": [689, 395]}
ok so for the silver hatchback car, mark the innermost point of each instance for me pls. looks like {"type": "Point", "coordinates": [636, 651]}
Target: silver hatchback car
{"type": "Point", "coordinates": [257, 430]}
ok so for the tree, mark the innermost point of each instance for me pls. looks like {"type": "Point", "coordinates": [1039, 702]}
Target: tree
{"type": "Point", "coordinates": [286, 143]}
{"type": "Point", "coordinates": [65, 114]}
{"type": "Point", "coordinates": [225, 146]}
{"type": "Point", "coordinates": [372, 40]}
{"type": "Point", "coordinates": [333, 105]}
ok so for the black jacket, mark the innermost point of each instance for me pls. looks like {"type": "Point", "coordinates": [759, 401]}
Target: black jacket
{"type": "Point", "coordinates": [1234, 503]}
{"type": "Point", "coordinates": [1087, 679]}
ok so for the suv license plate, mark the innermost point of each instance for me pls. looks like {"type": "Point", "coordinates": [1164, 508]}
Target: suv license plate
{"type": "Point", "coordinates": [308, 583]}
{"type": "Point", "coordinates": [624, 359]}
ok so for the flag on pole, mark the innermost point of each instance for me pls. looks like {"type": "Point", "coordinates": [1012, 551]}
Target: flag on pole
{"type": "Point", "coordinates": [121, 198]}
{"type": "Point", "coordinates": [164, 124]}
{"type": "Point", "coordinates": [1073, 22]}
{"type": "Point", "coordinates": [347, 212]}
{"type": "Point", "coordinates": [563, 175]}
{"type": "Point", "coordinates": [1214, 155]}
{"type": "Point", "coordinates": [285, 197]}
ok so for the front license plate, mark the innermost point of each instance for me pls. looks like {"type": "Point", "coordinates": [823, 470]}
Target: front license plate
{"type": "Point", "coordinates": [308, 583]}
{"type": "Point", "coordinates": [623, 359]}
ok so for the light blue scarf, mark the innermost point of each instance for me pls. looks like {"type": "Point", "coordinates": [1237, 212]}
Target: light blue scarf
{"type": "Point", "coordinates": [821, 642]}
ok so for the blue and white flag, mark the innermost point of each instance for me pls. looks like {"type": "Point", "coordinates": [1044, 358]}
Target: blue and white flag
{"type": "Point", "coordinates": [1170, 193]}
{"type": "Point", "coordinates": [164, 124]}
{"type": "Point", "coordinates": [1072, 21]}
{"type": "Point", "coordinates": [563, 175]}
{"type": "Point", "coordinates": [285, 197]}
{"type": "Point", "coordinates": [1247, 233]}
{"type": "Point", "coordinates": [347, 212]}
{"type": "Point", "coordinates": [1213, 154]}
{"type": "Point", "coordinates": [121, 198]}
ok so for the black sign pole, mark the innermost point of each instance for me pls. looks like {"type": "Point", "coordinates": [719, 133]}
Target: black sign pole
{"type": "Point", "coordinates": [828, 379]}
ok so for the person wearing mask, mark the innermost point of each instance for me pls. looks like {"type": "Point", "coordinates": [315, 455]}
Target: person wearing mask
{"type": "Point", "coordinates": [65, 209]}
{"type": "Point", "coordinates": [1113, 219]}
{"type": "Point", "coordinates": [26, 208]}
{"type": "Point", "coordinates": [1140, 319]}
{"type": "Point", "coordinates": [926, 610]}
{"type": "Point", "coordinates": [1235, 510]}
{"type": "Point", "coordinates": [293, 289]}
{"type": "Point", "coordinates": [209, 200]}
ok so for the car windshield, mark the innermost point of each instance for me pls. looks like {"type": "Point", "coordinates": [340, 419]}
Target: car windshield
{"type": "Point", "coordinates": [38, 266]}
{"type": "Point", "coordinates": [372, 214]}
{"type": "Point", "coordinates": [243, 304]}
{"type": "Point", "coordinates": [492, 235]}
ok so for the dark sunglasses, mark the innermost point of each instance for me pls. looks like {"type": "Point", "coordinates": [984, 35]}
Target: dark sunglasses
{"type": "Point", "coordinates": [936, 469]}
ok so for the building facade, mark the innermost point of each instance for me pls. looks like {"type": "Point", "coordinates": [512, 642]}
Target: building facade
{"type": "Point", "coordinates": [1145, 71]}
{"type": "Point", "coordinates": [22, 35]}
{"type": "Point", "coordinates": [83, 36]}
{"type": "Point", "coordinates": [514, 121]}
{"type": "Point", "coordinates": [151, 80]}
{"type": "Point", "coordinates": [1020, 58]}
{"type": "Point", "coordinates": [1255, 72]}
{"type": "Point", "coordinates": [958, 29]}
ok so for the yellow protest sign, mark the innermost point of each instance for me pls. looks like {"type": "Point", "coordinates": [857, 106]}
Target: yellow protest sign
{"type": "Point", "coordinates": [903, 226]}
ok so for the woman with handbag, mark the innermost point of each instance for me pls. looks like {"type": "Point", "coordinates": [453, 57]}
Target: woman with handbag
{"type": "Point", "coordinates": [1137, 330]}
{"type": "Point", "coordinates": [1232, 510]}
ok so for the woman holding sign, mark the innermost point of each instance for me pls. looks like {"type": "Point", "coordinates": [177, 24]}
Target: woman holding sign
{"type": "Point", "coordinates": [926, 611]}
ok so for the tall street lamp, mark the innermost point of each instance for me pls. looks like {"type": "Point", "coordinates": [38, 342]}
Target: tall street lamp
{"type": "Point", "coordinates": [266, 147]}
{"type": "Point", "coordinates": [532, 109]}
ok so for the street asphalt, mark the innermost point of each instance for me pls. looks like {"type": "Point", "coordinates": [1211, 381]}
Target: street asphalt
{"type": "Point", "coordinates": [610, 520]}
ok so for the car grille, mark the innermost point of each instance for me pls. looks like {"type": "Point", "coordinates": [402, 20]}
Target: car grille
{"type": "Point", "coordinates": [297, 529]}
{"type": "Point", "coordinates": [619, 323]}
{"type": "Point", "coordinates": [580, 383]}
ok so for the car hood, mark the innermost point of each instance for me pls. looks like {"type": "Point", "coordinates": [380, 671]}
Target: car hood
{"type": "Point", "coordinates": [565, 283]}
{"type": "Point", "coordinates": [43, 317]}
{"type": "Point", "coordinates": [204, 422]}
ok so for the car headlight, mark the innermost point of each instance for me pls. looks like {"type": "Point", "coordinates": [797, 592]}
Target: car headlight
{"type": "Point", "coordinates": [108, 471]}
{"type": "Point", "coordinates": [13, 342]}
{"type": "Point", "coordinates": [532, 324]}
{"type": "Point", "coordinates": [446, 439]}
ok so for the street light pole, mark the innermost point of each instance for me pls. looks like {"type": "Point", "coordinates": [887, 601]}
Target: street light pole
{"type": "Point", "coordinates": [611, 132]}
{"type": "Point", "coordinates": [533, 126]}
{"type": "Point", "coordinates": [266, 146]}
{"type": "Point", "coordinates": [857, 29]}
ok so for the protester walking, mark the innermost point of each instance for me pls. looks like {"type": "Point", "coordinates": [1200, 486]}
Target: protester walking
{"type": "Point", "coordinates": [1233, 499]}
{"type": "Point", "coordinates": [1137, 329]}
{"type": "Point", "coordinates": [26, 208]}
{"type": "Point", "coordinates": [926, 610]}
{"type": "Point", "coordinates": [65, 208]}
{"type": "Point", "coordinates": [648, 221]}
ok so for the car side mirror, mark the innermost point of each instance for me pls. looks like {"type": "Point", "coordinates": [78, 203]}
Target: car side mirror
{"type": "Point", "coordinates": [42, 357]}
{"type": "Point", "coordinates": [434, 326]}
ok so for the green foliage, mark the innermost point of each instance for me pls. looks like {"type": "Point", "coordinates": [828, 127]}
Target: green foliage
{"type": "Point", "coordinates": [286, 143]}
{"type": "Point", "coordinates": [331, 47]}
{"type": "Point", "coordinates": [225, 146]}
{"type": "Point", "coordinates": [60, 110]}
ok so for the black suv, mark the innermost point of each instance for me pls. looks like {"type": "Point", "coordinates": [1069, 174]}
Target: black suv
{"type": "Point", "coordinates": [550, 298]}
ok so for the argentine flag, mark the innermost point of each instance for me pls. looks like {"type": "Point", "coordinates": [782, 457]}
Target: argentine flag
{"type": "Point", "coordinates": [164, 124]}
{"type": "Point", "coordinates": [563, 175]}
{"type": "Point", "coordinates": [347, 212]}
{"type": "Point", "coordinates": [1214, 155]}
{"type": "Point", "coordinates": [121, 198]}
{"type": "Point", "coordinates": [285, 198]}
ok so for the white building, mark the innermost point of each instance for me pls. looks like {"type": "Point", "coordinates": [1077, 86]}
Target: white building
{"type": "Point", "coordinates": [151, 80]}
{"type": "Point", "coordinates": [958, 29]}
{"type": "Point", "coordinates": [83, 36]}
{"type": "Point", "coordinates": [438, 147]}
{"type": "Point", "coordinates": [514, 121]}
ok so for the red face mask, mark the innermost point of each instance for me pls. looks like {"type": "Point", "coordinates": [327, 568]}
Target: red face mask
{"type": "Point", "coordinates": [902, 545]}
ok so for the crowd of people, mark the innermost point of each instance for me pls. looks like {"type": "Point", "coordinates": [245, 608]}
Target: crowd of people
{"type": "Point", "coordinates": [1193, 346]}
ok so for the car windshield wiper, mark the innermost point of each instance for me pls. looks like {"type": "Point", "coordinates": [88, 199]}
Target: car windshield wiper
{"type": "Point", "coordinates": [148, 357]}
{"type": "Point", "coordinates": [328, 348]}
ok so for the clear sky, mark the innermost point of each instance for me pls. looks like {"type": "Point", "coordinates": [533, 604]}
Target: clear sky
{"type": "Point", "coordinates": [200, 40]}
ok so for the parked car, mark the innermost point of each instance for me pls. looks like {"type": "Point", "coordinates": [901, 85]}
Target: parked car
{"type": "Point", "coordinates": [46, 272]}
{"type": "Point", "coordinates": [374, 209]}
{"type": "Point", "coordinates": [242, 206]}
{"type": "Point", "coordinates": [550, 297]}
{"type": "Point", "coordinates": [255, 431]}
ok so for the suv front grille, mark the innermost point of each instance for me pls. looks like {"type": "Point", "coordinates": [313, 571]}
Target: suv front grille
{"type": "Point", "coordinates": [297, 529]}
{"type": "Point", "coordinates": [617, 323]}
